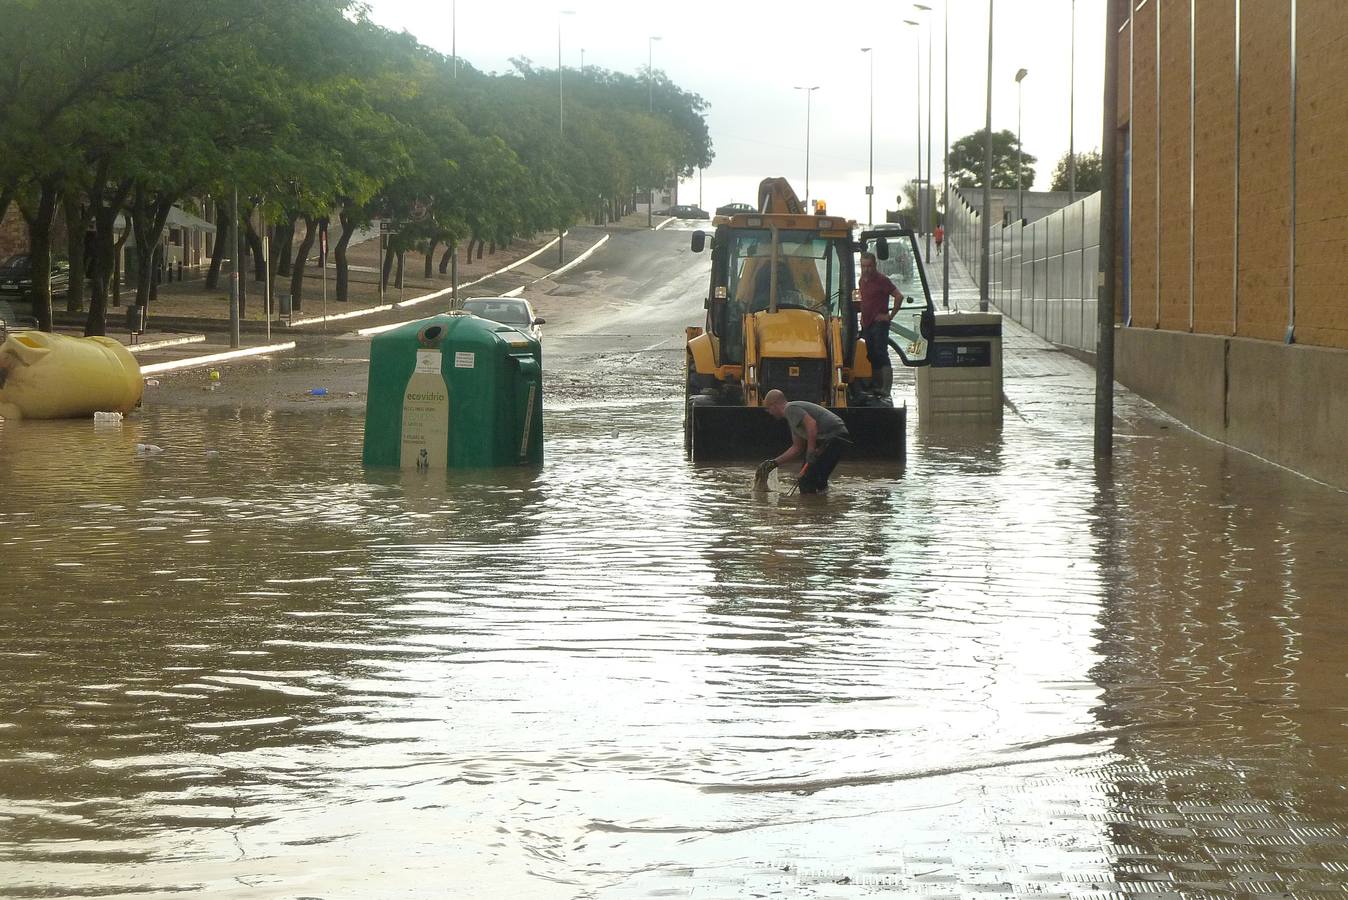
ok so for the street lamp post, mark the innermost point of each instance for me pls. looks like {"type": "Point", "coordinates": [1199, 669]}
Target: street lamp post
{"type": "Point", "coordinates": [650, 108]}
{"type": "Point", "coordinates": [1071, 109]}
{"type": "Point", "coordinates": [1020, 151]}
{"type": "Point", "coordinates": [945, 160]}
{"type": "Point", "coordinates": [454, 35]}
{"type": "Point", "coordinates": [561, 121]}
{"type": "Point", "coordinates": [561, 100]}
{"type": "Point", "coordinates": [927, 196]}
{"type": "Point", "coordinates": [870, 166]}
{"type": "Point", "coordinates": [917, 59]}
{"type": "Point", "coordinates": [985, 220]}
{"type": "Point", "coordinates": [809, 92]}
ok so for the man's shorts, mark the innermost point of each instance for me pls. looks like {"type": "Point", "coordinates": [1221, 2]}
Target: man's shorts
{"type": "Point", "coordinates": [876, 336]}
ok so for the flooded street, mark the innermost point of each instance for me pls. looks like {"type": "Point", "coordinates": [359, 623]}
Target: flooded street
{"type": "Point", "coordinates": [246, 667]}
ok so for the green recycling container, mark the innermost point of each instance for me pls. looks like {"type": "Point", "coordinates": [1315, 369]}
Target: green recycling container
{"type": "Point", "coordinates": [454, 392]}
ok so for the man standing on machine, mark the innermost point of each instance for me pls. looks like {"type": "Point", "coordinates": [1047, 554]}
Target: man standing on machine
{"type": "Point", "coordinates": [876, 313]}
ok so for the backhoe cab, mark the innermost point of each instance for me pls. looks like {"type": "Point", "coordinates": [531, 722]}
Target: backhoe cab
{"type": "Point", "coordinates": [782, 312]}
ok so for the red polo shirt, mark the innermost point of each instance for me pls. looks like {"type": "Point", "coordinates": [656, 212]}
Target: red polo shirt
{"type": "Point", "coordinates": [875, 293]}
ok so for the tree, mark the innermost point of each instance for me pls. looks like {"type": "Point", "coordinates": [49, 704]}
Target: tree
{"type": "Point", "coordinates": [966, 161]}
{"type": "Point", "coordinates": [1090, 173]}
{"type": "Point", "coordinates": [305, 111]}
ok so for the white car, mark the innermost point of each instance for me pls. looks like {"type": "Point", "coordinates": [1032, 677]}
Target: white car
{"type": "Point", "coordinates": [508, 311]}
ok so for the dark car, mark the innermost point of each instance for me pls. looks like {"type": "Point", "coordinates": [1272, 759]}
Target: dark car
{"type": "Point", "coordinates": [683, 211]}
{"type": "Point", "coordinates": [16, 276]}
{"type": "Point", "coordinates": [734, 209]}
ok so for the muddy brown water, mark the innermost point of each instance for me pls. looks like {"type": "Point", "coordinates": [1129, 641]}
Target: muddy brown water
{"type": "Point", "coordinates": [245, 667]}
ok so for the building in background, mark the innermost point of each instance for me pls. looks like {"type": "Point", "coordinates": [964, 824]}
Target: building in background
{"type": "Point", "coordinates": [1233, 132]}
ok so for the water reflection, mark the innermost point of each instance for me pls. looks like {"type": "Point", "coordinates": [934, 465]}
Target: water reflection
{"type": "Point", "coordinates": [251, 668]}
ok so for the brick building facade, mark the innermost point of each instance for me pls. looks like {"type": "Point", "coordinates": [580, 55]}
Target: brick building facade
{"type": "Point", "coordinates": [1233, 140]}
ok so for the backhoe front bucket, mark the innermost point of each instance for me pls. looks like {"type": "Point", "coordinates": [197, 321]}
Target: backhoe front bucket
{"type": "Point", "coordinates": [749, 433]}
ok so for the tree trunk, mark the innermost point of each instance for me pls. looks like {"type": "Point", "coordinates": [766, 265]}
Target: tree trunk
{"type": "Point", "coordinates": [147, 220]}
{"type": "Point", "coordinates": [287, 242]}
{"type": "Point", "coordinates": [78, 217]}
{"type": "Point", "coordinates": [479, 248]}
{"type": "Point", "coordinates": [255, 247]}
{"type": "Point", "coordinates": [430, 257]}
{"type": "Point", "coordinates": [339, 255]}
{"type": "Point", "coordinates": [301, 259]}
{"type": "Point", "coordinates": [387, 264]}
{"type": "Point", "coordinates": [398, 280]}
{"type": "Point", "coordinates": [39, 221]}
{"type": "Point", "coordinates": [106, 246]}
{"type": "Point", "coordinates": [450, 250]}
{"type": "Point", "coordinates": [278, 251]}
{"type": "Point", "coordinates": [158, 269]}
{"type": "Point", "coordinates": [218, 246]}
{"type": "Point", "coordinates": [117, 277]}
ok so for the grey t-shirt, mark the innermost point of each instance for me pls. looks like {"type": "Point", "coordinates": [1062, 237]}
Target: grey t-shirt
{"type": "Point", "coordinates": [827, 425]}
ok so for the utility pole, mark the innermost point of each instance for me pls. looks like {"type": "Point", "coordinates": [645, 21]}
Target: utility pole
{"type": "Point", "coordinates": [1071, 109]}
{"type": "Point", "coordinates": [1020, 148]}
{"type": "Point", "coordinates": [917, 61]}
{"type": "Point", "coordinates": [870, 166]}
{"type": "Point", "coordinates": [454, 34]}
{"type": "Point", "coordinates": [1105, 301]}
{"type": "Point", "coordinates": [929, 215]}
{"type": "Point", "coordinates": [809, 92]}
{"type": "Point", "coordinates": [650, 109]}
{"type": "Point", "coordinates": [561, 124]}
{"type": "Point", "coordinates": [985, 223]}
{"type": "Point", "coordinates": [234, 272]}
{"type": "Point", "coordinates": [945, 160]}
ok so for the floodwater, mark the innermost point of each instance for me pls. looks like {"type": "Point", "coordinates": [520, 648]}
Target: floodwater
{"type": "Point", "coordinates": [245, 667]}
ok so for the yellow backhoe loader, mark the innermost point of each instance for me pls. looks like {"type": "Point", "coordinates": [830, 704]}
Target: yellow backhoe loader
{"type": "Point", "coordinates": [782, 312]}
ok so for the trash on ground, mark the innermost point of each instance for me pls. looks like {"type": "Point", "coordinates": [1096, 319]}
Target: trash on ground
{"type": "Point", "coordinates": [148, 449]}
{"type": "Point", "coordinates": [107, 418]}
{"type": "Point", "coordinates": [215, 375]}
{"type": "Point", "coordinates": [318, 392]}
{"type": "Point", "coordinates": [152, 382]}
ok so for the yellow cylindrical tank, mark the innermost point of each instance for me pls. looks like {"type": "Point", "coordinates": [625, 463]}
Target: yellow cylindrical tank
{"type": "Point", "coordinates": [52, 376]}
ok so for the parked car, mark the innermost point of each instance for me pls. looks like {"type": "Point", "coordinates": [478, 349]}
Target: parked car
{"type": "Point", "coordinates": [734, 209]}
{"type": "Point", "coordinates": [683, 211]}
{"type": "Point", "coordinates": [508, 311]}
{"type": "Point", "coordinates": [16, 276]}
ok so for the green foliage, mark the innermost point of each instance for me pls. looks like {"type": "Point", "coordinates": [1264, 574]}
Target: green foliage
{"type": "Point", "coordinates": [1090, 177]}
{"type": "Point", "coordinates": [308, 107]}
{"type": "Point", "coordinates": [967, 154]}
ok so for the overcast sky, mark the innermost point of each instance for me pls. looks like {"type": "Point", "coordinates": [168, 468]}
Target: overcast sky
{"type": "Point", "coordinates": [745, 58]}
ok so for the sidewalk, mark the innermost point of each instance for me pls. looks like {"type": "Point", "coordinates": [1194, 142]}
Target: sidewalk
{"type": "Point", "coordinates": [210, 346]}
{"type": "Point", "coordinates": [1044, 386]}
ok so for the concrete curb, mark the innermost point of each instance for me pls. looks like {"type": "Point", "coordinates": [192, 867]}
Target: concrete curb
{"type": "Point", "coordinates": [167, 342]}
{"type": "Point", "coordinates": [379, 329]}
{"type": "Point", "coordinates": [564, 269]}
{"type": "Point", "coordinates": [192, 362]}
{"type": "Point", "coordinates": [434, 295]}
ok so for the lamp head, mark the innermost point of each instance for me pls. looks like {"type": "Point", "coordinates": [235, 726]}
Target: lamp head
{"type": "Point", "coordinates": [1021, 74]}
